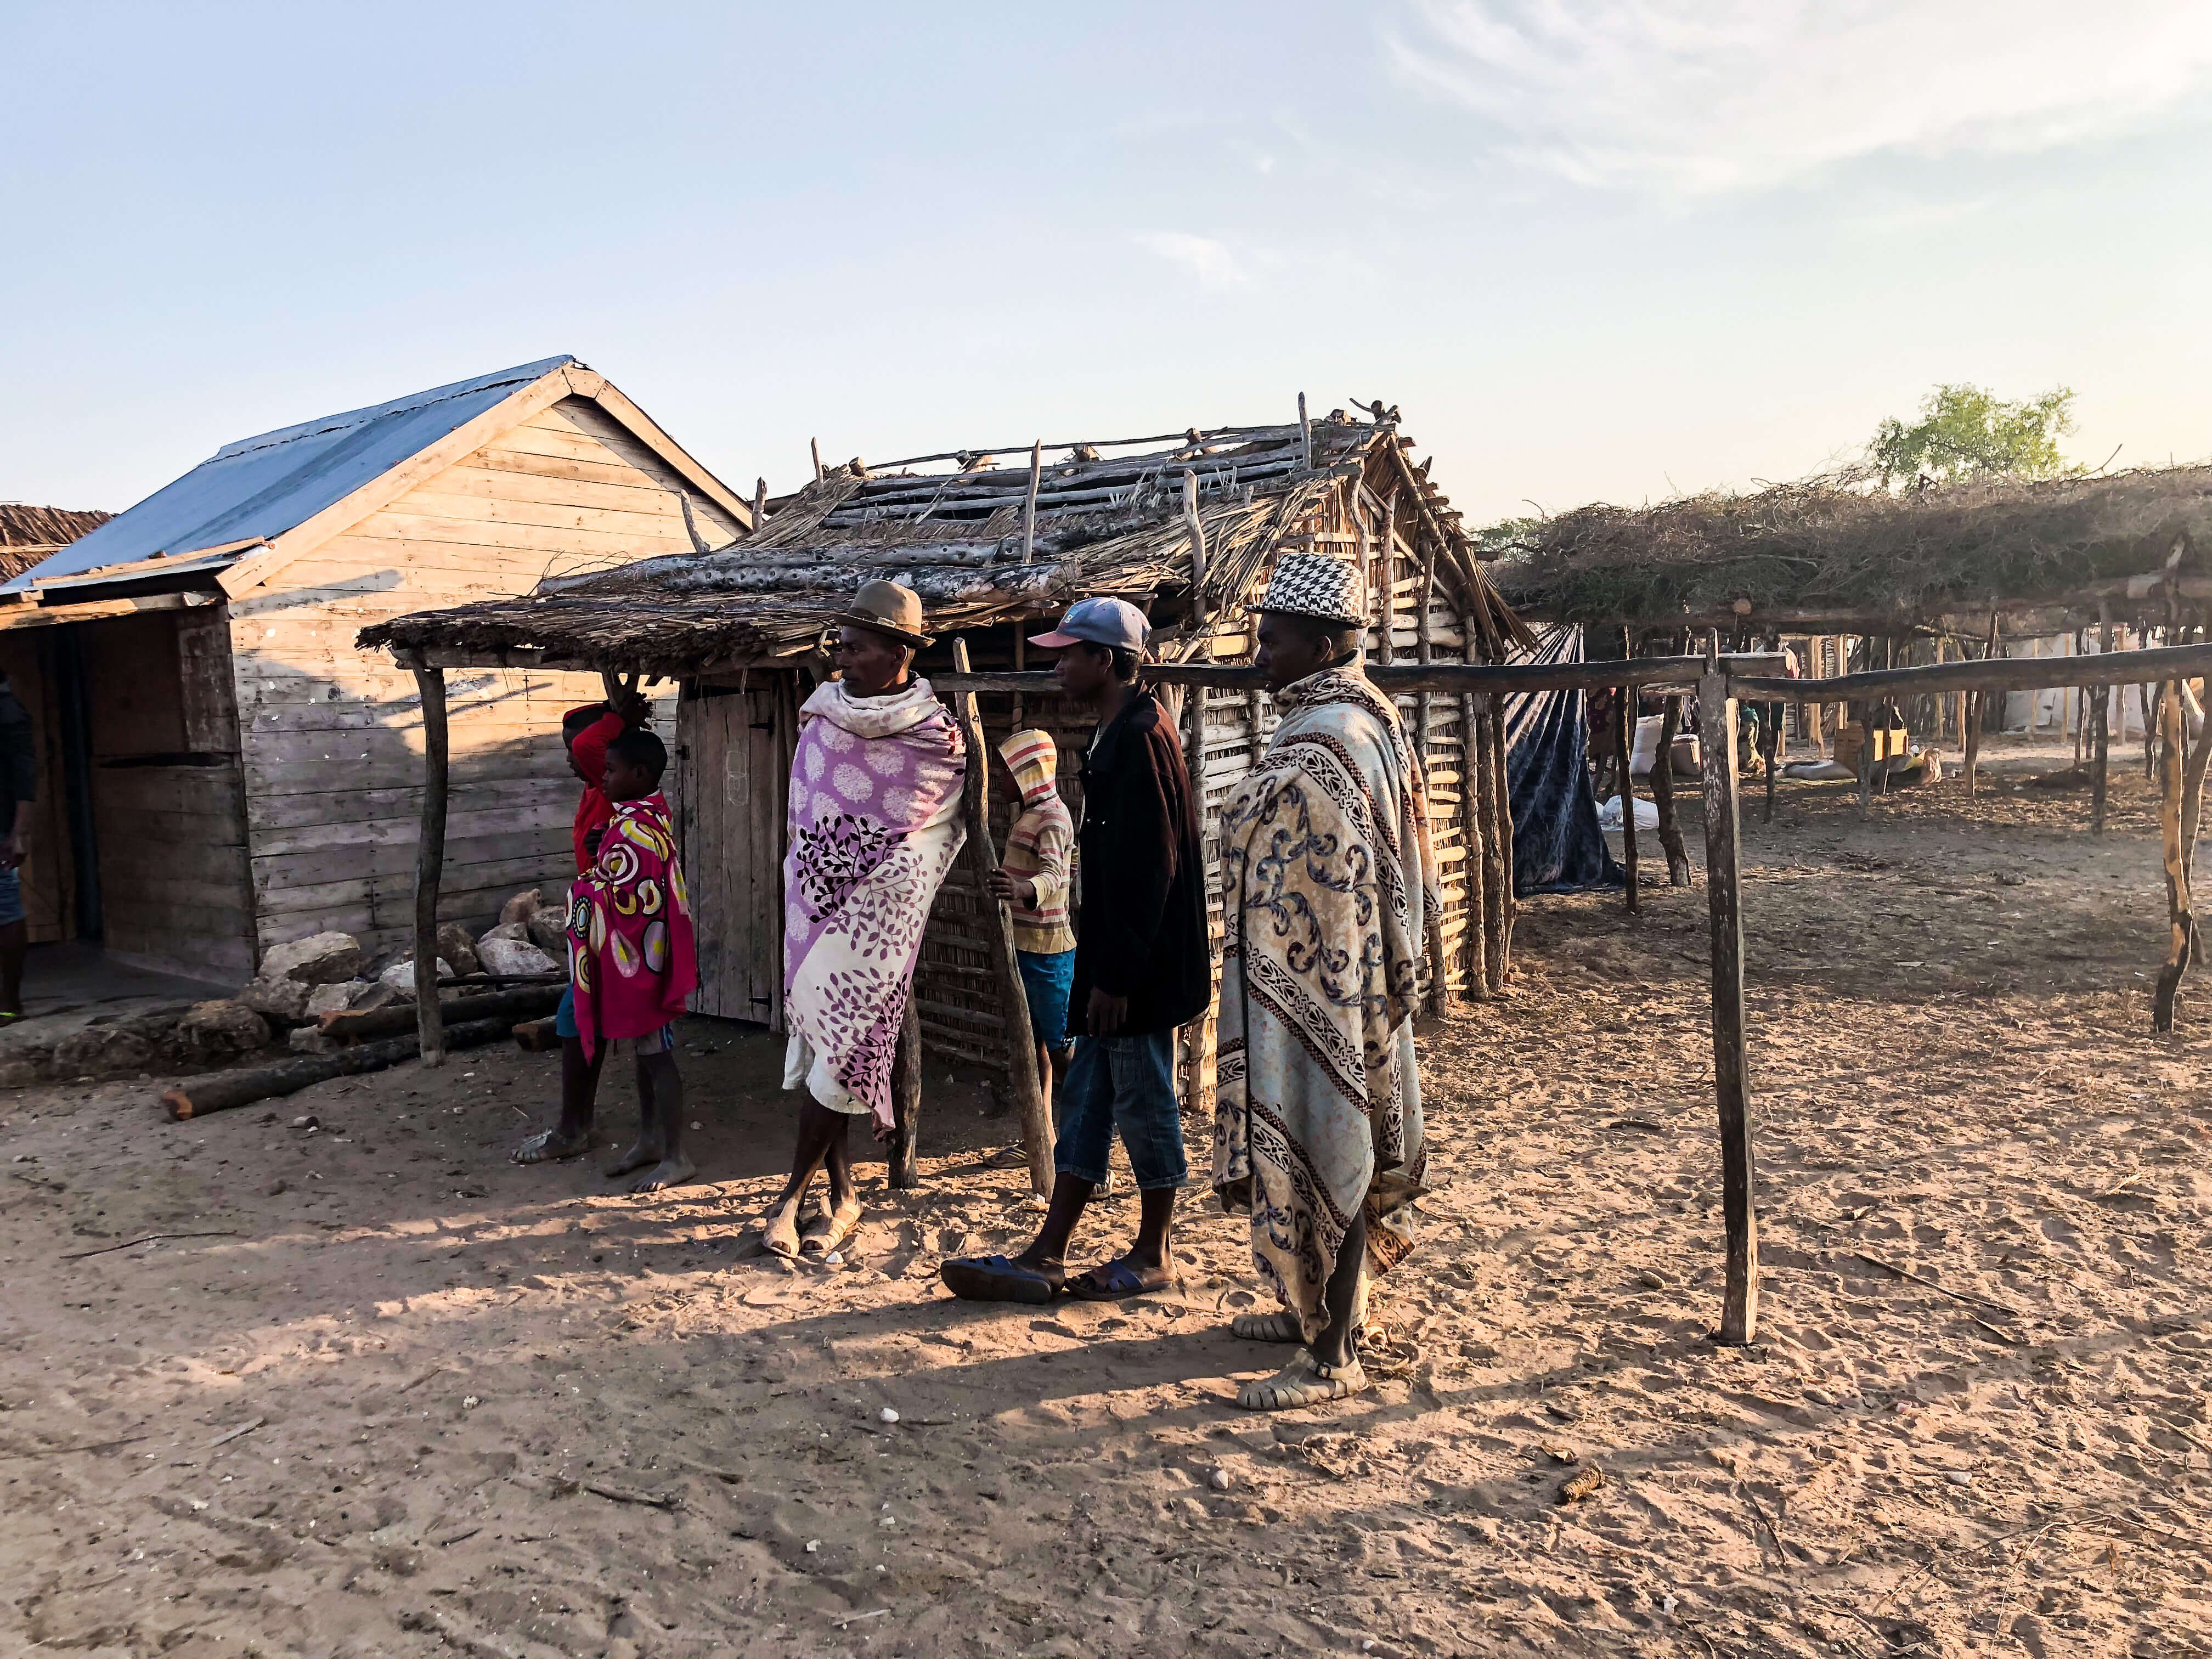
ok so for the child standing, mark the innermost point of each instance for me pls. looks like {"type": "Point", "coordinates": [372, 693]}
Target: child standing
{"type": "Point", "coordinates": [1034, 880]}
{"type": "Point", "coordinates": [631, 964]}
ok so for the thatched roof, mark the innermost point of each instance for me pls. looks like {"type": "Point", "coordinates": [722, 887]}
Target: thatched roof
{"type": "Point", "coordinates": [1833, 549]}
{"type": "Point", "coordinates": [28, 534]}
{"type": "Point", "coordinates": [1106, 523]}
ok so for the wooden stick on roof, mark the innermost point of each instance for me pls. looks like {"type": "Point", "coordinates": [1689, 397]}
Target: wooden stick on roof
{"type": "Point", "coordinates": [1198, 613]}
{"type": "Point", "coordinates": [1305, 434]}
{"type": "Point", "coordinates": [814, 448]}
{"type": "Point", "coordinates": [760, 504]}
{"type": "Point", "coordinates": [1029, 501]}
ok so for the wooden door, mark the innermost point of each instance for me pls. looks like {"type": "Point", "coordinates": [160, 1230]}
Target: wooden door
{"type": "Point", "coordinates": [736, 744]}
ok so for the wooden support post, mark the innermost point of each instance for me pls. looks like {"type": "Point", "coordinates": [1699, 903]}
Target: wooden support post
{"type": "Point", "coordinates": [1013, 1002]}
{"type": "Point", "coordinates": [1623, 724]}
{"type": "Point", "coordinates": [814, 449]}
{"type": "Point", "coordinates": [1386, 582]}
{"type": "Point", "coordinates": [1199, 1035]}
{"type": "Point", "coordinates": [1199, 616]}
{"type": "Point", "coordinates": [2101, 754]}
{"type": "Point", "coordinates": [1305, 439]}
{"type": "Point", "coordinates": [1471, 838]}
{"type": "Point", "coordinates": [1029, 501]}
{"type": "Point", "coordinates": [760, 504]}
{"type": "Point", "coordinates": [1502, 828]}
{"type": "Point", "coordinates": [2172, 733]}
{"type": "Point", "coordinates": [1717, 734]}
{"type": "Point", "coordinates": [1425, 649]}
{"type": "Point", "coordinates": [1495, 876]}
{"type": "Point", "coordinates": [1662, 793]}
{"type": "Point", "coordinates": [906, 1098]}
{"type": "Point", "coordinates": [431, 866]}
{"type": "Point", "coordinates": [1865, 717]}
{"type": "Point", "coordinates": [1770, 717]}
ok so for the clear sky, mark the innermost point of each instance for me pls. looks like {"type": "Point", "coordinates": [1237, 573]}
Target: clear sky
{"type": "Point", "coordinates": [1593, 248]}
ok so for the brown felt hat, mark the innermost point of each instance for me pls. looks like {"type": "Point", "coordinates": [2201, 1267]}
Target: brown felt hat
{"type": "Point", "coordinates": [888, 609]}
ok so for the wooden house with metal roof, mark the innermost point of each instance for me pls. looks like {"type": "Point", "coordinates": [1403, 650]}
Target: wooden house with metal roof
{"type": "Point", "coordinates": [239, 774]}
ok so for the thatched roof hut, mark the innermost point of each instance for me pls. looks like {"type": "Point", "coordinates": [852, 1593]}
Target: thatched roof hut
{"type": "Point", "coordinates": [1187, 525]}
{"type": "Point", "coordinates": [1833, 555]}
{"type": "Point", "coordinates": [1108, 518]}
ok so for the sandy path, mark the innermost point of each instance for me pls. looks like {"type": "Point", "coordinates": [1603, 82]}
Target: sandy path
{"type": "Point", "coordinates": [462, 1376]}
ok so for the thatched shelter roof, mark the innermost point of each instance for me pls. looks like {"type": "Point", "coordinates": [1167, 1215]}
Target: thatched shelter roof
{"type": "Point", "coordinates": [28, 534]}
{"type": "Point", "coordinates": [1834, 551]}
{"type": "Point", "coordinates": [1110, 519]}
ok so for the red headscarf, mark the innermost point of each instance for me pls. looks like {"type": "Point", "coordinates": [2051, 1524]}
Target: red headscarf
{"type": "Point", "coordinates": [594, 811]}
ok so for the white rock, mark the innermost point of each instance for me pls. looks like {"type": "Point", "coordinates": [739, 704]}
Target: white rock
{"type": "Point", "coordinates": [310, 1040]}
{"type": "Point", "coordinates": [549, 929]}
{"type": "Point", "coordinates": [1959, 1477]}
{"type": "Point", "coordinates": [319, 959]}
{"type": "Point", "coordinates": [1220, 1480]}
{"type": "Point", "coordinates": [514, 930]}
{"type": "Point", "coordinates": [887, 1415]}
{"type": "Point", "coordinates": [506, 956]}
{"type": "Point", "coordinates": [399, 979]}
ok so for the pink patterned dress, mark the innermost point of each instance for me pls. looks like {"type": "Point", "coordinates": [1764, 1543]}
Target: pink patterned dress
{"type": "Point", "coordinates": [632, 962]}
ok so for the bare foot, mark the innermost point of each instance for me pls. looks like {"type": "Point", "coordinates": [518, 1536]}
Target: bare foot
{"type": "Point", "coordinates": [669, 1172]}
{"type": "Point", "coordinates": [552, 1146]}
{"type": "Point", "coordinates": [636, 1157]}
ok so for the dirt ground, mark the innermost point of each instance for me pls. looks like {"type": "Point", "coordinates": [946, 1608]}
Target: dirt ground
{"type": "Point", "coordinates": [381, 1393]}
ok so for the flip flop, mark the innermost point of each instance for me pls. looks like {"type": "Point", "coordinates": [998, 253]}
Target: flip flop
{"type": "Point", "coordinates": [828, 1231]}
{"type": "Point", "coordinates": [1113, 1281]}
{"type": "Point", "coordinates": [1008, 1158]}
{"type": "Point", "coordinates": [996, 1278]}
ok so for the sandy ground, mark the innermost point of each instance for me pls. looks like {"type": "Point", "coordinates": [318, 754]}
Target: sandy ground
{"type": "Point", "coordinates": [404, 1399]}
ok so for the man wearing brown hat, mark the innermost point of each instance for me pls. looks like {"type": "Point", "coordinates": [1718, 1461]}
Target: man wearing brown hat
{"type": "Point", "coordinates": [1327, 878]}
{"type": "Point", "coordinates": [874, 825]}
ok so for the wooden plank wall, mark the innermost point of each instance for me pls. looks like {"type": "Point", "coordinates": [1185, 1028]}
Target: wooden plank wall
{"type": "Point", "coordinates": [735, 748]}
{"type": "Point", "coordinates": [167, 795]}
{"type": "Point", "coordinates": [332, 737]}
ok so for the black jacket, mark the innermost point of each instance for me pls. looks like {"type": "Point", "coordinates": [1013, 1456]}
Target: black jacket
{"type": "Point", "coordinates": [1142, 933]}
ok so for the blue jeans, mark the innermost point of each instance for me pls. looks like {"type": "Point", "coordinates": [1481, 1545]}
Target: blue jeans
{"type": "Point", "coordinates": [1046, 977]}
{"type": "Point", "coordinates": [11, 905]}
{"type": "Point", "coordinates": [662, 1042]}
{"type": "Point", "coordinates": [1128, 1083]}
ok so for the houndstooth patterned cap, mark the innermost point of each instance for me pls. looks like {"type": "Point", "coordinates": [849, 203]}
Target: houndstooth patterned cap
{"type": "Point", "coordinates": [1314, 585]}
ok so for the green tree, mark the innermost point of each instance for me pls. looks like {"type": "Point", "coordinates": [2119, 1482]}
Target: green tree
{"type": "Point", "coordinates": [1965, 431]}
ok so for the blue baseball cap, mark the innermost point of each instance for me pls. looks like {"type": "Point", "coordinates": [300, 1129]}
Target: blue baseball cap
{"type": "Point", "coordinates": [1115, 623]}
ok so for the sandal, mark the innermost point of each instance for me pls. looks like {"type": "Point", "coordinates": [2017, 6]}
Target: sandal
{"type": "Point", "coordinates": [779, 1230]}
{"type": "Point", "coordinates": [1283, 1327]}
{"type": "Point", "coordinates": [1115, 1281]}
{"type": "Point", "coordinates": [546, 1146]}
{"type": "Point", "coordinates": [1304, 1382]}
{"type": "Point", "coordinates": [996, 1278]}
{"type": "Point", "coordinates": [830, 1229]}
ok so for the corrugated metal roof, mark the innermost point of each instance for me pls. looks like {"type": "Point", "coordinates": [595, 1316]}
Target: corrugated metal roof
{"type": "Point", "coordinates": [262, 487]}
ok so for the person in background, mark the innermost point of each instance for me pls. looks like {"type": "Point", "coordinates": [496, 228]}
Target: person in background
{"type": "Point", "coordinates": [19, 788]}
{"type": "Point", "coordinates": [1034, 880]}
{"type": "Point", "coordinates": [586, 732]}
{"type": "Point", "coordinates": [1143, 966]}
{"type": "Point", "coordinates": [1328, 877]}
{"type": "Point", "coordinates": [875, 824]}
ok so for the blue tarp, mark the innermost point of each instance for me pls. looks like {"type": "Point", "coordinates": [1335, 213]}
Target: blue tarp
{"type": "Point", "coordinates": [1558, 847]}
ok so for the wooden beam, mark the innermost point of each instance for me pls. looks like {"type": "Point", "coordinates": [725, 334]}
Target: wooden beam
{"type": "Point", "coordinates": [2102, 753]}
{"type": "Point", "coordinates": [906, 1099]}
{"type": "Point", "coordinates": [2172, 735]}
{"type": "Point", "coordinates": [1624, 720]}
{"type": "Point", "coordinates": [1013, 1001]}
{"type": "Point", "coordinates": [429, 865]}
{"type": "Point", "coordinates": [2004, 674]}
{"type": "Point", "coordinates": [1028, 503]}
{"type": "Point", "coordinates": [1401, 678]}
{"type": "Point", "coordinates": [1717, 736]}
{"type": "Point", "coordinates": [1662, 794]}
{"type": "Point", "coordinates": [50, 614]}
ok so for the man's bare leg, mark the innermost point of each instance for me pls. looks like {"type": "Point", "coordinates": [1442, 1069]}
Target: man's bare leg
{"type": "Point", "coordinates": [580, 1091]}
{"type": "Point", "coordinates": [660, 1114]}
{"type": "Point", "coordinates": [1148, 1264]}
{"type": "Point", "coordinates": [821, 1141]}
{"type": "Point", "coordinates": [1335, 1345]}
{"type": "Point", "coordinates": [1327, 1368]}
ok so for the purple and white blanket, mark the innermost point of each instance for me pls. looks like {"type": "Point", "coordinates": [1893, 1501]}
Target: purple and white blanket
{"type": "Point", "coordinates": [875, 824]}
